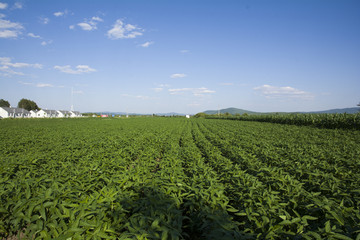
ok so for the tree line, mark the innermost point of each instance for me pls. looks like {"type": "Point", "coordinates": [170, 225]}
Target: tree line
{"type": "Point", "coordinates": [23, 103]}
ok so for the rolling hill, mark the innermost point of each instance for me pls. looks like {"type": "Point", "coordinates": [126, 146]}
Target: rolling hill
{"type": "Point", "coordinates": [242, 111]}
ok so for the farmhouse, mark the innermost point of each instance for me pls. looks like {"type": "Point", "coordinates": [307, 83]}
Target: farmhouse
{"type": "Point", "coordinates": [10, 112]}
{"type": "Point", "coordinates": [46, 113]}
{"type": "Point", "coordinates": [63, 114]}
{"type": "Point", "coordinates": [75, 114]}
{"type": "Point", "coordinates": [33, 113]}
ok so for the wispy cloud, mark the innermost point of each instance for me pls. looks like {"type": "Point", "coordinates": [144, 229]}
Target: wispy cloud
{"type": "Point", "coordinates": [8, 72]}
{"type": "Point", "coordinates": [61, 14]}
{"type": "Point", "coordinates": [44, 43]}
{"type": "Point", "coordinates": [88, 24]}
{"type": "Point", "coordinates": [283, 92]}
{"type": "Point", "coordinates": [7, 66]}
{"type": "Point", "coordinates": [146, 44]}
{"type": "Point", "coordinates": [9, 29]}
{"type": "Point", "coordinates": [184, 51]}
{"type": "Point", "coordinates": [3, 5]}
{"type": "Point", "coordinates": [42, 85]}
{"type": "Point", "coordinates": [17, 5]}
{"type": "Point", "coordinates": [198, 92]}
{"type": "Point", "coordinates": [39, 85]}
{"type": "Point", "coordinates": [33, 35]}
{"type": "Point", "coordinates": [121, 30]}
{"type": "Point", "coordinates": [44, 20]}
{"type": "Point", "coordinates": [178, 75]}
{"type": "Point", "coordinates": [79, 69]}
{"type": "Point", "coordinates": [159, 89]}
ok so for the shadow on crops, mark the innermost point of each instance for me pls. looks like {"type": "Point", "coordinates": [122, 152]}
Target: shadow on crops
{"type": "Point", "coordinates": [155, 215]}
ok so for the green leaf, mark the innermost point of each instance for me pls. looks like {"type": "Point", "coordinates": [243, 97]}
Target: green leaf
{"type": "Point", "coordinates": [307, 217]}
{"type": "Point", "coordinates": [327, 227]}
{"type": "Point", "coordinates": [340, 236]}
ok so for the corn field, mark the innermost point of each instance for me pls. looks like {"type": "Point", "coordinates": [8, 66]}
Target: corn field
{"type": "Point", "coordinates": [322, 120]}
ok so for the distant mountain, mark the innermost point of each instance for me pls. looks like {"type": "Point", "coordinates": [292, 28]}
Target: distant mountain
{"type": "Point", "coordinates": [230, 110]}
{"type": "Point", "coordinates": [242, 111]}
{"type": "Point", "coordinates": [340, 110]}
{"type": "Point", "coordinates": [124, 113]}
{"type": "Point", "coordinates": [170, 114]}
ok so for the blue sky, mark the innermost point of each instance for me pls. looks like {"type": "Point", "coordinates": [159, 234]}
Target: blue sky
{"type": "Point", "coordinates": [182, 56]}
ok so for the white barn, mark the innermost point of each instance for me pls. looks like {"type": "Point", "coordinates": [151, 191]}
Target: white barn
{"type": "Point", "coordinates": [63, 114]}
{"type": "Point", "coordinates": [75, 114]}
{"type": "Point", "coordinates": [33, 113]}
{"type": "Point", "coordinates": [46, 113]}
{"type": "Point", "coordinates": [10, 112]}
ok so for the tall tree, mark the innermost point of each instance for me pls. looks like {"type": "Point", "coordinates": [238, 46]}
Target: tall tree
{"type": "Point", "coordinates": [4, 103]}
{"type": "Point", "coordinates": [28, 104]}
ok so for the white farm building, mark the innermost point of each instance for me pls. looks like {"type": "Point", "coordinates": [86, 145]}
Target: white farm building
{"type": "Point", "coordinates": [10, 112]}
{"type": "Point", "coordinates": [46, 113]}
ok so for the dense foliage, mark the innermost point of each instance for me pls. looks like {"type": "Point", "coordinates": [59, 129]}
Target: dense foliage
{"type": "Point", "coordinates": [177, 178]}
{"type": "Point", "coordinates": [4, 103]}
{"type": "Point", "coordinates": [28, 104]}
{"type": "Point", "coordinates": [330, 120]}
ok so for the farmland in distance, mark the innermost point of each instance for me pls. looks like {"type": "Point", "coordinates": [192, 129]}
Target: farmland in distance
{"type": "Point", "coordinates": [177, 178]}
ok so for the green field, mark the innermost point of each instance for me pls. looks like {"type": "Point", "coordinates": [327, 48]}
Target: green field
{"type": "Point", "coordinates": [177, 178]}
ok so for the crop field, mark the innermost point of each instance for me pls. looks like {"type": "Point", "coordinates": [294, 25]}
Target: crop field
{"type": "Point", "coordinates": [177, 178]}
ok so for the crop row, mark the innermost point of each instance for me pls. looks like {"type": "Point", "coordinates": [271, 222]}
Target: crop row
{"type": "Point", "coordinates": [338, 120]}
{"type": "Point", "coordinates": [158, 178]}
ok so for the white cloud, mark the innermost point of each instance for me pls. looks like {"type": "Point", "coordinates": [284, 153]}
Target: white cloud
{"type": "Point", "coordinates": [184, 51]}
{"type": "Point", "coordinates": [86, 26]}
{"type": "Point", "coordinates": [98, 19]}
{"type": "Point", "coordinates": [89, 25]}
{"type": "Point", "coordinates": [121, 31]}
{"type": "Point", "coordinates": [79, 69]}
{"type": "Point", "coordinates": [59, 14]}
{"type": "Point", "coordinates": [18, 5]}
{"type": "Point", "coordinates": [8, 72]}
{"type": "Point", "coordinates": [136, 96]}
{"type": "Point", "coordinates": [44, 20]}
{"type": "Point", "coordinates": [198, 92]}
{"type": "Point", "coordinates": [9, 29]}
{"type": "Point", "coordinates": [41, 85]}
{"type": "Point", "coordinates": [178, 75]}
{"type": "Point", "coordinates": [7, 67]}
{"type": "Point", "coordinates": [146, 44]}
{"type": "Point", "coordinates": [159, 89]}
{"type": "Point", "coordinates": [44, 43]}
{"type": "Point", "coordinates": [6, 61]}
{"type": "Point", "coordinates": [33, 35]}
{"type": "Point", "coordinates": [3, 5]}
{"type": "Point", "coordinates": [282, 92]}
{"type": "Point", "coordinates": [71, 27]}
{"type": "Point", "coordinates": [26, 83]}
